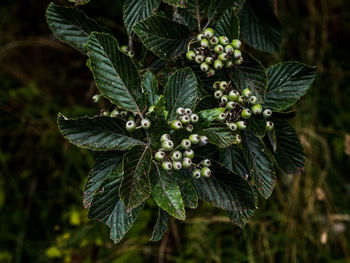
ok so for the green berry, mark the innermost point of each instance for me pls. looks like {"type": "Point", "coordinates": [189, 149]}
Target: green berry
{"type": "Point", "coordinates": [185, 119]}
{"type": "Point", "coordinates": [130, 126]}
{"type": "Point", "coordinates": [223, 57]}
{"type": "Point", "coordinates": [180, 111]}
{"type": "Point", "coordinates": [131, 118]}
{"type": "Point", "coordinates": [190, 55]}
{"type": "Point", "coordinates": [242, 125]}
{"type": "Point", "coordinates": [238, 139]}
{"type": "Point", "coordinates": [223, 40]}
{"type": "Point", "coordinates": [176, 125]}
{"type": "Point", "coordinates": [96, 98]}
{"type": "Point", "coordinates": [124, 49]}
{"type": "Point", "coordinates": [237, 53]}
{"type": "Point", "coordinates": [224, 99]}
{"type": "Point", "coordinates": [208, 32]}
{"type": "Point", "coordinates": [159, 156]}
{"type": "Point", "coordinates": [233, 95]}
{"type": "Point", "coordinates": [231, 105]}
{"type": "Point", "coordinates": [241, 99]}
{"type": "Point", "coordinates": [123, 113]}
{"type": "Point", "coordinates": [151, 109]}
{"type": "Point", "coordinates": [209, 60]}
{"type": "Point", "coordinates": [189, 128]}
{"type": "Point", "coordinates": [246, 113]}
{"type": "Point", "coordinates": [222, 116]}
{"type": "Point", "coordinates": [194, 138]}
{"type": "Point", "coordinates": [177, 165]}
{"type": "Point", "coordinates": [216, 85]}
{"type": "Point", "coordinates": [210, 72]}
{"type": "Point", "coordinates": [131, 53]}
{"type": "Point", "coordinates": [218, 64]}
{"type": "Point", "coordinates": [247, 93]}
{"type": "Point", "coordinates": [185, 144]}
{"type": "Point", "coordinates": [206, 162]}
{"type": "Point", "coordinates": [218, 49]}
{"type": "Point", "coordinates": [214, 41]}
{"type": "Point", "coordinates": [229, 49]}
{"type": "Point", "coordinates": [253, 100]}
{"type": "Point", "coordinates": [167, 166]}
{"type": "Point", "coordinates": [257, 109]}
{"type": "Point", "coordinates": [176, 156]}
{"type": "Point", "coordinates": [168, 145]}
{"type": "Point", "coordinates": [205, 42]}
{"type": "Point", "coordinates": [115, 113]}
{"type": "Point", "coordinates": [203, 140]}
{"type": "Point", "coordinates": [186, 162]}
{"type": "Point", "coordinates": [199, 59]}
{"type": "Point", "coordinates": [204, 67]}
{"type": "Point", "coordinates": [206, 172]}
{"type": "Point", "coordinates": [194, 118]}
{"type": "Point", "coordinates": [145, 123]}
{"type": "Point", "coordinates": [269, 125]}
{"type": "Point", "coordinates": [267, 113]}
{"type": "Point", "coordinates": [164, 137]}
{"type": "Point", "coordinates": [196, 173]}
{"type": "Point", "coordinates": [189, 153]}
{"type": "Point", "coordinates": [232, 126]}
{"type": "Point", "coordinates": [229, 64]}
{"type": "Point", "coordinates": [200, 37]}
{"type": "Point", "coordinates": [188, 111]}
{"type": "Point", "coordinates": [223, 85]}
{"type": "Point", "coordinates": [218, 94]}
{"type": "Point", "coordinates": [236, 43]}
{"type": "Point", "coordinates": [239, 61]}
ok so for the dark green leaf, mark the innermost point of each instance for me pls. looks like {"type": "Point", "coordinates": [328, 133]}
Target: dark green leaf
{"type": "Point", "coordinates": [150, 88]}
{"type": "Point", "coordinates": [165, 38]}
{"type": "Point", "coordinates": [116, 75]}
{"type": "Point", "coordinates": [259, 164]}
{"type": "Point", "coordinates": [257, 125]}
{"type": "Point", "coordinates": [176, 3]}
{"type": "Point", "coordinates": [80, 2]}
{"type": "Point", "coordinates": [206, 102]}
{"type": "Point", "coordinates": [240, 218]}
{"type": "Point", "coordinates": [287, 83]}
{"type": "Point", "coordinates": [210, 115]}
{"type": "Point", "coordinates": [105, 165]}
{"type": "Point", "coordinates": [135, 187]}
{"type": "Point", "coordinates": [260, 27]}
{"type": "Point", "coordinates": [166, 192]}
{"type": "Point", "coordinates": [137, 10]}
{"type": "Point", "coordinates": [71, 25]}
{"type": "Point", "coordinates": [161, 226]}
{"type": "Point", "coordinates": [228, 25]}
{"type": "Point", "coordinates": [188, 191]}
{"type": "Point", "coordinates": [233, 159]}
{"type": "Point", "coordinates": [180, 91]}
{"type": "Point", "coordinates": [97, 133]}
{"type": "Point", "coordinates": [184, 17]}
{"type": "Point", "coordinates": [220, 136]}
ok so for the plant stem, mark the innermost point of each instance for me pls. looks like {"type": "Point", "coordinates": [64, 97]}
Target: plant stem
{"type": "Point", "coordinates": [198, 17]}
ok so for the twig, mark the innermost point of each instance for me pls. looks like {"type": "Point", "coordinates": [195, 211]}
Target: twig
{"type": "Point", "coordinates": [198, 17]}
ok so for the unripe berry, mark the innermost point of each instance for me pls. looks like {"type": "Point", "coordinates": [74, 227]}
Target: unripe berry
{"type": "Point", "coordinates": [165, 137]}
{"type": "Point", "coordinates": [209, 60]}
{"type": "Point", "coordinates": [124, 49]}
{"type": "Point", "coordinates": [176, 156]}
{"type": "Point", "coordinates": [241, 99]}
{"type": "Point", "coordinates": [230, 105]}
{"type": "Point", "coordinates": [190, 55]}
{"type": "Point", "coordinates": [206, 162]}
{"type": "Point", "coordinates": [253, 100]}
{"type": "Point", "coordinates": [131, 53]}
{"type": "Point", "coordinates": [200, 37]}
{"type": "Point", "coordinates": [106, 113]}
{"type": "Point", "coordinates": [131, 118]}
{"type": "Point", "coordinates": [210, 72]}
{"type": "Point", "coordinates": [233, 95]}
{"type": "Point", "coordinates": [159, 156]}
{"type": "Point", "coordinates": [222, 116]}
{"type": "Point", "coordinates": [236, 43]}
{"type": "Point", "coordinates": [196, 173]}
{"type": "Point", "coordinates": [237, 53]}
{"type": "Point", "coordinates": [216, 85]}
{"type": "Point", "coordinates": [167, 166]}
{"type": "Point", "coordinates": [232, 126]}
{"type": "Point", "coordinates": [115, 113]}
{"type": "Point", "coordinates": [199, 59]}
{"type": "Point", "coordinates": [218, 64]}
{"type": "Point", "coordinates": [246, 113]}
{"type": "Point", "coordinates": [204, 67]}
{"type": "Point", "coordinates": [206, 172]}
{"type": "Point", "coordinates": [185, 144]}
{"type": "Point", "coordinates": [96, 98]}
{"type": "Point", "coordinates": [123, 113]}
{"type": "Point", "coordinates": [189, 153]}
{"type": "Point", "coordinates": [218, 49]}
{"type": "Point", "coordinates": [238, 138]}
{"type": "Point", "coordinates": [189, 128]}
{"type": "Point", "coordinates": [168, 145]}
{"type": "Point", "coordinates": [208, 32]}
{"type": "Point", "coordinates": [257, 109]}
{"type": "Point", "coordinates": [242, 125]}
{"type": "Point", "coordinates": [176, 125]}
{"type": "Point", "coordinates": [223, 57]}
{"type": "Point", "coordinates": [188, 111]}
{"type": "Point", "coordinates": [194, 118]}
{"type": "Point", "coordinates": [214, 41]}
{"type": "Point", "coordinates": [205, 42]}
{"type": "Point", "coordinates": [203, 140]}
{"type": "Point", "coordinates": [180, 111]}
{"type": "Point", "coordinates": [224, 99]}
{"type": "Point", "coordinates": [145, 123]}
{"type": "Point", "coordinates": [223, 85]}
{"type": "Point", "coordinates": [229, 49]}
{"type": "Point", "coordinates": [269, 125]}
{"type": "Point", "coordinates": [223, 40]}
{"type": "Point", "coordinates": [130, 126]}
{"type": "Point", "coordinates": [177, 165]}
{"type": "Point", "coordinates": [267, 113]}
{"type": "Point", "coordinates": [239, 61]}
{"type": "Point", "coordinates": [218, 94]}
{"type": "Point", "coordinates": [186, 162]}
{"type": "Point", "coordinates": [194, 138]}
{"type": "Point", "coordinates": [247, 92]}
{"type": "Point", "coordinates": [229, 64]}
{"type": "Point", "coordinates": [185, 119]}
{"type": "Point", "coordinates": [151, 109]}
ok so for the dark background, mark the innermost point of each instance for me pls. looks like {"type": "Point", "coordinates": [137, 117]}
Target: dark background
{"type": "Point", "coordinates": [42, 219]}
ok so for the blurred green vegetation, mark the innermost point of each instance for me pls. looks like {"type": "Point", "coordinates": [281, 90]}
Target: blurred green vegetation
{"type": "Point", "coordinates": [42, 219]}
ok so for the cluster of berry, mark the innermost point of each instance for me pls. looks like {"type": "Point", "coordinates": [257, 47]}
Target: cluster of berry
{"type": "Point", "coordinates": [125, 49]}
{"type": "Point", "coordinates": [239, 106]}
{"type": "Point", "coordinates": [185, 119]}
{"type": "Point", "coordinates": [213, 53]}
